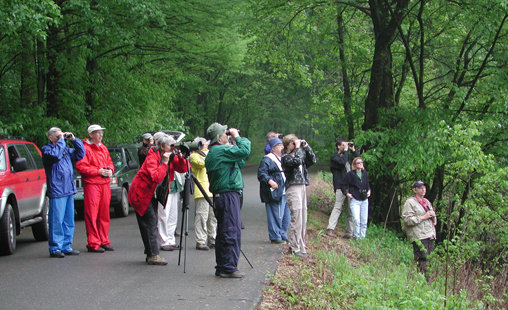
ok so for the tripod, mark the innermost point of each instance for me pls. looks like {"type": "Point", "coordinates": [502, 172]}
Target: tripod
{"type": "Point", "coordinates": [187, 190]}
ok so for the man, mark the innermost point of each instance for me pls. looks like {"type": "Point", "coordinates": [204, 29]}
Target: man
{"type": "Point", "coordinates": [57, 159]}
{"type": "Point", "coordinates": [223, 164]}
{"type": "Point", "coordinates": [205, 223]}
{"type": "Point", "coordinates": [340, 165]}
{"type": "Point", "coordinates": [420, 224]}
{"type": "Point", "coordinates": [269, 137]}
{"type": "Point", "coordinates": [143, 150]}
{"type": "Point", "coordinates": [96, 168]}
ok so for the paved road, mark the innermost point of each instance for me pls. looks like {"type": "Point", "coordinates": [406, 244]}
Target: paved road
{"type": "Point", "coordinates": [122, 280]}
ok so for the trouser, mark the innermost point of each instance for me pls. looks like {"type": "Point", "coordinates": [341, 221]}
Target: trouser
{"type": "Point", "coordinates": [360, 211]}
{"type": "Point", "coordinates": [61, 224]}
{"type": "Point", "coordinates": [337, 210]}
{"type": "Point", "coordinates": [97, 219]}
{"type": "Point", "coordinates": [168, 217]}
{"type": "Point", "coordinates": [278, 218]}
{"type": "Point", "coordinates": [205, 223]}
{"type": "Point", "coordinates": [296, 196]}
{"type": "Point", "coordinates": [148, 228]}
{"type": "Point", "coordinates": [229, 233]}
{"type": "Point", "coordinates": [421, 254]}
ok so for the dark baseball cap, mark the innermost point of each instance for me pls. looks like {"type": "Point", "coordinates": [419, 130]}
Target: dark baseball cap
{"type": "Point", "coordinates": [418, 184]}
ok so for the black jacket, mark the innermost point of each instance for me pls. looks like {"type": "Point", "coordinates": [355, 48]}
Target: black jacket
{"type": "Point", "coordinates": [291, 165]}
{"type": "Point", "coordinates": [355, 184]}
{"type": "Point", "coordinates": [338, 166]}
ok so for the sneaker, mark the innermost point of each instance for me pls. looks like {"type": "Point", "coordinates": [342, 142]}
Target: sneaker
{"type": "Point", "coordinates": [211, 245]}
{"type": "Point", "coordinates": [98, 250]}
{"type": "Point", "coordinates": [330, 233]}
{"type": "Point", "coordinates": [202, 247]}
{"type": "Point", "coordinates": [156, 260]}
{"type": "Point", "coordinates": [57, 254]}
{"type": "Point", "coordinates": [232, 275]}
{"type": "Point", "coordinates": [347, 237]}
{"type": "Point", "coordinates": [170, 247]}
{"type": "Point", "coordinates": [300, 254]}
{"type": "Point", "coordinates": [72, 252]}
{"type": "Point", "coordinates": [107, 247]}
{"type": "Point", "coordinates": [278, 241]}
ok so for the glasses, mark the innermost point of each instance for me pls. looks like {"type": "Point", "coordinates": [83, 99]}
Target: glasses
{"type": "Point", "coordinates": [359, 162]}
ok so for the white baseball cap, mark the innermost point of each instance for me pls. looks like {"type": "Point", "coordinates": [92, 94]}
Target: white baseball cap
{"type": "Point", "coordinates": [94, 127]}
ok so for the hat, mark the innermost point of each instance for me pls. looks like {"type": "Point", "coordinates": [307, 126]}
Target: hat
{"type": "Point", "coordinates": [158, 135]}
{"type": "Point", "coordinates": [147, 136]}
{"type": "Point", "coordinates": [215, 131]}
{"type": "Point", "coordinates": [94, 127]}
{"type": "Point", "coordinates": [418, 184]}
{"type": "Point", "coordinates": [274, 141]}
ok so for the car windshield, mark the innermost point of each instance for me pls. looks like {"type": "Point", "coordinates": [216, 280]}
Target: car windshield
{"type": "Point", "coordinates": [3, 164]}
{"type": "Point", "coordinates": [117, 158]}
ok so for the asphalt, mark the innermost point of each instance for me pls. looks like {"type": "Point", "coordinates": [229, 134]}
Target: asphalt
{"type": "Point", "coordinates": [122, 280]}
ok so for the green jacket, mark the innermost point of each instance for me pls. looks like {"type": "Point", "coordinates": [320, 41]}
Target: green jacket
{"type": "Point", "coordinates": [223, 164]}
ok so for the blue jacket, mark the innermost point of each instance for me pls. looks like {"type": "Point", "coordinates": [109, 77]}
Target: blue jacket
{"type": "Point", "coordinates": [57, 160]}
{"type": "Point", "coordinates": [268, 170]}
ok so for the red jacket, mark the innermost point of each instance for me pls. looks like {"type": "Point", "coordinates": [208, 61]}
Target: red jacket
{"type": "Point", "coordinates": [149, 176]}
{"type": "Point", "coordinates": [97, 157]}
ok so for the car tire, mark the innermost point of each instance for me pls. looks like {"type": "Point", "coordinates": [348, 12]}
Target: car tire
{"type": "Point", "coordinates": [41, 230]}
{"type": "Point", "coordinates": [8, 231]}
{"type": "Point", "coordinates": [122, 208]}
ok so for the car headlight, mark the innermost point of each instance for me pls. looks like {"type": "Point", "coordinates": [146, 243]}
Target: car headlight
{"type": "Point", "coordinates": [114, 181]}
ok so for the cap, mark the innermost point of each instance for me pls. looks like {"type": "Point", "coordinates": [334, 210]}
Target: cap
{"type": "Point", "coordinates": [274, 141]}
{"type": "Point", "coordinates": [147, 136]}
{"type": "Point", "coordinates": [94, 127]}
{"type": "Point", "coordinates": [215, 131]}
{"type": "Point", "coordinates": [418, 184]}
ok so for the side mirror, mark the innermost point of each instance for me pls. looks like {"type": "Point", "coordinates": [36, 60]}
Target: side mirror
{"type": "Point", "coordinates": [133, 165]}
{"type": "Point", "coordinates": [19, 164]}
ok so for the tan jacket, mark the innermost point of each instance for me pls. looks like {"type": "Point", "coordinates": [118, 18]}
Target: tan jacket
{"type": "Point", "coordinates": [413, 225]}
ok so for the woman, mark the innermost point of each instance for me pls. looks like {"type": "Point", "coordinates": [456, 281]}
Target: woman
{"type": "Point", "coordinates": [355, 185]}
{"type": "Point", "coordinates": [271, 189]}
{"type": "Point", "coordinates": [297, 156]}
{"type": "Point", "coordinates": [141, 197]}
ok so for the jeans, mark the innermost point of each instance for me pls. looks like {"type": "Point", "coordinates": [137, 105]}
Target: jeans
{"type": "Point", "coordinates": [61, 224]}
{"type": "Point", "coordinates": [360, 211]}
{"type": "Point", "coordinates": [278, 218]}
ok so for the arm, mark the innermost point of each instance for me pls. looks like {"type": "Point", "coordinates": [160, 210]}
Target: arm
{"type": "Point", "coordinates": [54, 153]}
{"type": "Point", "coordinates": [79, 150]}
{"type": "Point", "coordinates": [156, 171]}
{"type": "Point", "coordinates": [264, 171]}
{"type": "Point", "coordinates": [409, 214]}
{"type": "Point", "coordinates": [197, 161]}
{"type": "Point", "coordinates": [310, 157]}
{"type": "Point", "coordinates": [293, 162]}
{"type": "Point", "coordinates": [85, 168]}
{"type": "Point", "coordinates": [338, 160]}
{"type": "Point", "coordinates": [179, 164]}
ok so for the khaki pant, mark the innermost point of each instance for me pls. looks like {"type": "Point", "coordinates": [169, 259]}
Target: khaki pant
{"type": "Point", "coordinates": [296, 197]}
{"type": "Point", "coordinates": [340, 198]}
{"type": "Point", "coordinates": [205, 224]}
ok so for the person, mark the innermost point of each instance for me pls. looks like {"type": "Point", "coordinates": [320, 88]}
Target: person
{"type": "Point", "coordinates": [57, 159]}
{"type": "Point", "coordinates": [168, 213]}
{"type": "Point", "coordinates": [223, 164]}
{"type": "Point", "coordinates": [143, 150]}
{"type": "Point", "coordinates": [96, 168]}
{"type": "Point", "coordinates": [205, 223]}
{"type": "Point", "coordinates": [269, 136]}
{"type": "Point", "coordinates": [297, 157]}
{"type": "Point", "coordinates": [355, 185]}
{"type": "Point", "coordinates": [273, 193]}
{"type": "Point", "coordinates": [340, 164]}
{"type": "Point", "coordinates": [141, 196]}
{"type": "Point", "coordinates": [420, 224]}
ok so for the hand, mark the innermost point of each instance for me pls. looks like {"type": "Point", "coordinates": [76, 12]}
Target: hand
{"type": "Point", "coordinates": [368, 193]}
{"type": "Point", "coordinates": [105, 172]}
{"type": "Point", "coordinates": [273, 184]}
{"type": "Point", "coordinates": [165, 157]}
{"type": "Point", "coordinates": [72, 138]}
{"type": "Point", "coordinates": [297, 143]}
{"type": "Point", "coordinates": [349, 195]}
{"type": "Point", "coordinates": [234, 132]}
{"type": "Point", "coordinates": [428, 215]}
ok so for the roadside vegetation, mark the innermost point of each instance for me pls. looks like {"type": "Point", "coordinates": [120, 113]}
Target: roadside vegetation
{"type": "Point", "coordinates": [375, 273]}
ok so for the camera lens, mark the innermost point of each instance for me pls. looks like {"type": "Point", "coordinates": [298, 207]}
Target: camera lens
{"type": "Point", "coordinates": [303, 143]}
{"type": "Point", "coordinates": [67, 136]}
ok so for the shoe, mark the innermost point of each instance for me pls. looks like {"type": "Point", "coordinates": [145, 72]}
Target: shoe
{"type": "Point", "coordinates": [170, 247]}
{"type": "Point", "coordinates": [243, 227]}
{"type": "Point", "coordinates": [217, 273]}
{"type": "Point", "coordinates": [98, 250]}
{"type": "Point", "coordinates": [300, 254]}
{"type": "Point", "coordinates": [72, 252]}
{"type": "Point", "coordinates": [330, 233]}
{"type": "Point", "coordinates": [57, 254]}
{"type": "Point", "coordinates": [232, 275]}
{"type": "Point", "coordinates": [202, 247]}
{"type": "Point", "coordinates": [211, 245]}
{"type": "Point", "coordinates": [156, 260]}
{"type": "Point", "coordinates": [177, 234]}
{"type": "Point", "coordinates": [107, 247]}
{"type": "Point", "coordinates": [347, 237]}
{"type": "Point", "coordinates": [278, 241]}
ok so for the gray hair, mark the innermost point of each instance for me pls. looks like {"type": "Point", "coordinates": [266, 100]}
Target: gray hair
{"type": "Point", "coordinates": [52, 130]}
{"type": "Point", "coordinates": [163, 140]}
{"type": "Point", "coordinates": [158, 135]}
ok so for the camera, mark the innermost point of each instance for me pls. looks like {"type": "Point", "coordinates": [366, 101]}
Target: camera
{"type": "Point", "coordinates": [350, 144]}
{"type": "Point", "coordinates": [303, 144]}
{"type": "Point", "coordinates": [281, 136]}
{"type": "Point", "coordinates": [186, 147]}
{"type": "Point", "coordinates": [67, 136]}
{"type": "Point", "coordinates": [229, 133]}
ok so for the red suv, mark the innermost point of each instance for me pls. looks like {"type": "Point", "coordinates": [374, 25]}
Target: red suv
{"type": "Point", "coordinates": [23, 200]}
